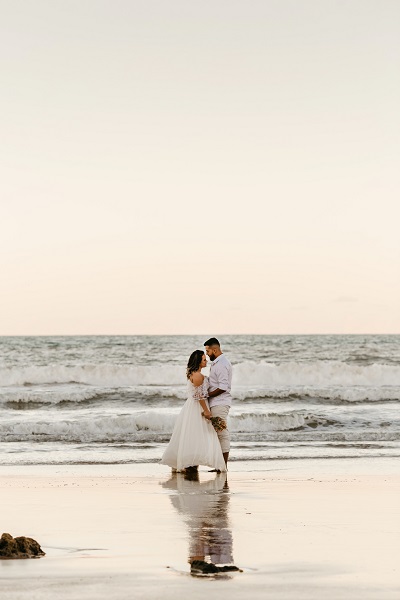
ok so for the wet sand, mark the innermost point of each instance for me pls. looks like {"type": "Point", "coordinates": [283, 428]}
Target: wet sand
{"type": "Point", "coordinates": [297, 530]}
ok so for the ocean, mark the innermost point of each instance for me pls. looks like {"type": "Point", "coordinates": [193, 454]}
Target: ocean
{"type": "Point", "coordinates": [114, 399]}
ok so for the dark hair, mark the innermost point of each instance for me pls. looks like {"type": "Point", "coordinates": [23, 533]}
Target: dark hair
{"type": "Point", "coordinates": [212, 342]}
{"type": "Point", "coordinates": [194, 362]}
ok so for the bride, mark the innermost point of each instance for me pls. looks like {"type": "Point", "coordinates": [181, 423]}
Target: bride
{"type": "Point", "coordinates": [194, 440]}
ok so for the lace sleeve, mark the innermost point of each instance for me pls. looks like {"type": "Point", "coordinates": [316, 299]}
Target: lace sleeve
{"type": "Point", "coordinates": [200, 391]}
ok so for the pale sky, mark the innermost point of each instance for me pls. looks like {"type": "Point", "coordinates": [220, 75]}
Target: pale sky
{"type": "Point", "coordinates": [223, 166]}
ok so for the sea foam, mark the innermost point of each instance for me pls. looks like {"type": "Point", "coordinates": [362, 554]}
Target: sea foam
{"type": "Point", "coordinates": [151, 424]}
{"type": "Point", "coordinates": [248, 374]}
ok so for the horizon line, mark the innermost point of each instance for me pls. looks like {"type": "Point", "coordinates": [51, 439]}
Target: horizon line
{"type": "Point", "coordinates": [181, 334]}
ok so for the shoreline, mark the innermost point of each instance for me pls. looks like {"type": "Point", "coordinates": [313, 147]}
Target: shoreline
{"type": "Point", "coordinates": [303, 531]}
{"type": "Point", "coordinates": [153, 468]}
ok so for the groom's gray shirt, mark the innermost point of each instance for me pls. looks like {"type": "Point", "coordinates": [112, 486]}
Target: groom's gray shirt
{"type": "Point", "coordinates": [220, 377]}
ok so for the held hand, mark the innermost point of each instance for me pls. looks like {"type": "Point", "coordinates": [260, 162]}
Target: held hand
{"type": "Point", "coordinates": [206, 414]}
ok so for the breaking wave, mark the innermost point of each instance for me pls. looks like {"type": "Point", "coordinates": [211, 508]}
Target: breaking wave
{"type": "Point", "coordinates": [158, 426]}
{"type": "Point", "coordinates": [247, 374]}
{"type": "Point", "coordinates": [101, 375]}
{"type": "Point", "coordinates": [308, 383]}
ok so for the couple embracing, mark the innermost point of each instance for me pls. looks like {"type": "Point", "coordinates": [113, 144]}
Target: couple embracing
{"type": "Point", "coordinates": [194, 440]}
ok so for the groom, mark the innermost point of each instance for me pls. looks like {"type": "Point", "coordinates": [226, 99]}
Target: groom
{"type": "Point", "coordinates": [219, 389]}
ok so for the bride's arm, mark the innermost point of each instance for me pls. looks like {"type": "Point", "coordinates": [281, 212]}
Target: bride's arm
{"type": "Point", "coordinates": [199, 394]}
{"type": "Point", "coordinates": [206, 410]}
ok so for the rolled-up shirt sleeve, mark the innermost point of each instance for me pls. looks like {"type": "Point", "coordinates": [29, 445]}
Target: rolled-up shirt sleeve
{"type": "Point", "coordinates": [223, 378]}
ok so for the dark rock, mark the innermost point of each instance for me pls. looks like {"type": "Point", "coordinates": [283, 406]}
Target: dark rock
{"type": "Point", "coordinates": [8, 546]}
{"type": "Point", "coordinates": [19, 547]}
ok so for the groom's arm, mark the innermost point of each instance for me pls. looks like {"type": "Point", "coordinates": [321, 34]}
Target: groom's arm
{"type": "Point", "coordinates": [216, 392]}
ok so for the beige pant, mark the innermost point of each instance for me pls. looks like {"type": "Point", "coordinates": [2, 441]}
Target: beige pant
{"type": "Point", "coordinates": [223, 436]}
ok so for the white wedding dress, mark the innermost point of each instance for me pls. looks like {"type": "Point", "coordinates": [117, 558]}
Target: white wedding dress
{"type": "Point", "coordinates": [194, 440]}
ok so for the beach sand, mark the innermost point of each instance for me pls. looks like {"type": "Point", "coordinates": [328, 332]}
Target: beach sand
{"type": "Point", "coordinates": [316, 529]}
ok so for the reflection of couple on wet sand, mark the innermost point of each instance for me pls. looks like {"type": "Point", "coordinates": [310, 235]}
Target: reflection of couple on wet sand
{"type": "Point", "coordinates": [204, 507]}
{"type": "Point", "coordinates": [194, 440]}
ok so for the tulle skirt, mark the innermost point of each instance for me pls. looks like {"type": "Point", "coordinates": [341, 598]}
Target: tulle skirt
{"type": "Point", "coordinates": [194, 441]}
